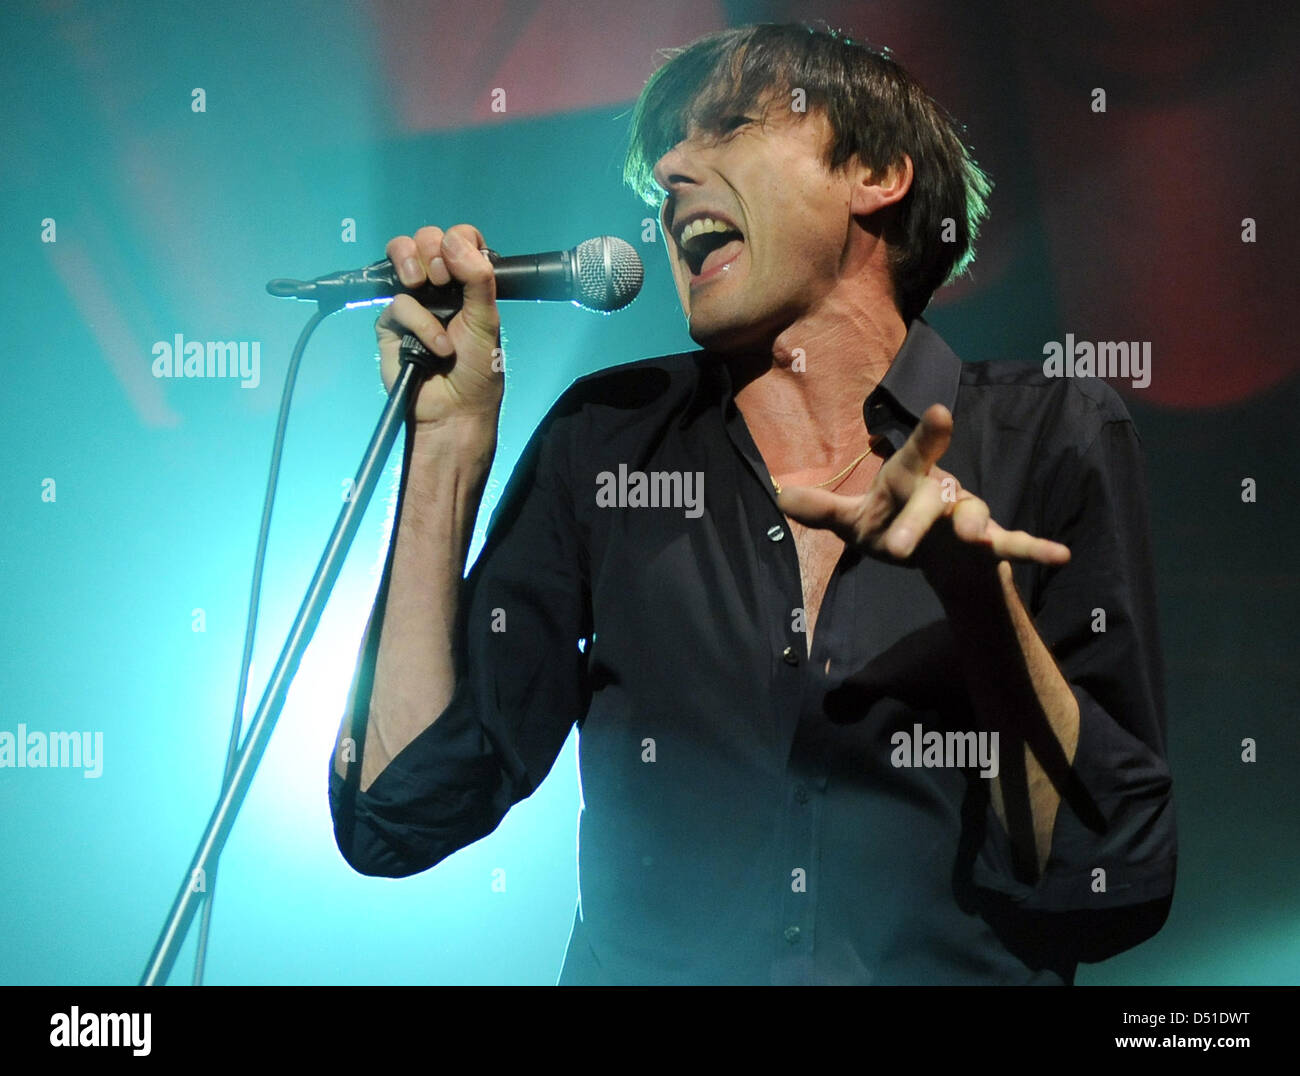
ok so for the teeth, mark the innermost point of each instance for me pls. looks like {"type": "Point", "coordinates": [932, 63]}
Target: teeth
{"type": "Point", "coordinates": [702, 225]}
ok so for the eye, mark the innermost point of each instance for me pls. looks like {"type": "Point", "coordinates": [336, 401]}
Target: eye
{"type": "Point", "coordinates": [734, 123]}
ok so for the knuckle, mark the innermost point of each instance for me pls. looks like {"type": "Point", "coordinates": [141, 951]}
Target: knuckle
{"type": "Point", "coordinates": [404, 310]}
{"type": "Point", "coordinates": [428, 242]}
{"type": "Point", "coordinates": [479, 271]}
{"type": "Point", "coordinates": [400, 246]}
{"type": "Point", "coordinates": [859, 517]}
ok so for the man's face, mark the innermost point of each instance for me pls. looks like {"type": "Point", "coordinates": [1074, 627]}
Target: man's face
{"type": "Point", "coordinates": [755, 225]}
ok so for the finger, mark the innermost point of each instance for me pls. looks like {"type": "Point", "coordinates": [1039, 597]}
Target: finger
{"type": "Point", "coordinates": [851, 518]}
{"type": "Point", "coordinates": [405, 314]}
{"type": "Point", "coordinates": [927, 443]}
{"type": "Point", "coordinates": [429, 242]}
{"type": "Point", "coordinates": [404, 255]}
{"type": "Point", "coordinates": [970, 519]}
{"type": "Point", "coordinates": [462, 254]}
{"type": "Point", "coordinates": [470, 234]}
{"type": "Point", "coordinates": [948, 480]}
{"type": "Point", "coordinates": [914, 520]}
{"type": "Point", "coordinates": [1020, 545]}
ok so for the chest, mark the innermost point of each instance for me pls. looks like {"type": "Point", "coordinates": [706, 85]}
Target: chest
{"type": "Point", "coordinates": [818, 551]}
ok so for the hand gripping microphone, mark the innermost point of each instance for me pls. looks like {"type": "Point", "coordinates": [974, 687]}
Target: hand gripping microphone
{"type": "Point", "coordinates": [602, 274]}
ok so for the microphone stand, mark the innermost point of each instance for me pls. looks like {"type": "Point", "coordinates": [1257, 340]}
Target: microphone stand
{"type": "Point", "coordinates": [416, 364]}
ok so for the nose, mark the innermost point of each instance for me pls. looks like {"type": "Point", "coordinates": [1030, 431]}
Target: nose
{"type": "Point", "coordinates": [675, 169]}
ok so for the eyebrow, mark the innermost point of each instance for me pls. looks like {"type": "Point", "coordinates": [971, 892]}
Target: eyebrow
{"type": "Point", "coordinates": [710, 115]}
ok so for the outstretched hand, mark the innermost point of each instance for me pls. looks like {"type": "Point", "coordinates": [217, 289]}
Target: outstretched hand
{"type": "Point", "coordinates": [916, 513]}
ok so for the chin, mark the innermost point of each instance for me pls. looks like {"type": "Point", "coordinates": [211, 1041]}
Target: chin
{"type": "Point", "coordinates": [726, 335]}
{"type": "Point", "coordinates": [721, 339]}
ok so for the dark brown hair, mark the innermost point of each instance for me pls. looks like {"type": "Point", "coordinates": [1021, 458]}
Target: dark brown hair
{"type": "Point", "coordinates": [877, 113]}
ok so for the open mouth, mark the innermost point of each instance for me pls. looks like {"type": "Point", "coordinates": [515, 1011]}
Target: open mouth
{"type": "Point", "coordinates": [709, 243]}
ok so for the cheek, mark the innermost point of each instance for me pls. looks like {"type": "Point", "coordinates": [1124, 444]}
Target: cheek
{"type": "Point", "coordinates": [820, 232]}
{"type": "Point", "coordinates": [806, 214]}
{"type": "Point", "coordinates": [799, 245]}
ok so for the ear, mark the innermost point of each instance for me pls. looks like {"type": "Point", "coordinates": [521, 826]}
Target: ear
{"type": "Point", "coordinates": [872, 192]}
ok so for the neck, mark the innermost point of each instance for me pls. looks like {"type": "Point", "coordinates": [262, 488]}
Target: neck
{"type": "Point", "coordinates": [802, 398]}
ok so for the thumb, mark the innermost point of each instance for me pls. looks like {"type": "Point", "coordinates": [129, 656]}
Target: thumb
{"type": "Point", "coordinates": [823, 509]}
{"type": "Point", "coordinates": [475, 272]}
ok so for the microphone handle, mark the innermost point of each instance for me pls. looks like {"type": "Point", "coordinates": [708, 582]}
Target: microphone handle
{"type": "Point", "coordinates": [549, 276]}
{"type": "Point", "coordinates": [539, 277]}
{"type": "Point", "coordinates": [546, 276]}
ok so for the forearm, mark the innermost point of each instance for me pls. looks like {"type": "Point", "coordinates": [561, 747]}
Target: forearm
{"type": "Point", "coordinates": [1017, 690]}
{"type": "Point", "coordinates": [414, 675]}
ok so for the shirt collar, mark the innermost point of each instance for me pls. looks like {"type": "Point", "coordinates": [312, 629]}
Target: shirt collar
{"type": "Point", "coordinates": [925, 371]}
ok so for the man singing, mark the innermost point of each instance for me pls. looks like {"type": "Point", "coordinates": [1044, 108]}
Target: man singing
{"type": "Point", "coordinates": [887, 707]}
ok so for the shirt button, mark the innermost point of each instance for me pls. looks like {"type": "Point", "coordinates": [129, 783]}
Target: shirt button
{"type": "Point", "coordinates": [776, 532]}
{"type": "Point", "coordinates": [790, 656]}
{"type": "Point", "coordinates": [792, 934]}
{"type": "Point", "coordinates": [800, 794]}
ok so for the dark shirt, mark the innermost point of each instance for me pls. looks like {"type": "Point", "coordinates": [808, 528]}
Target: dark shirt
{"type": "Point", "coordinates": [743, 816]}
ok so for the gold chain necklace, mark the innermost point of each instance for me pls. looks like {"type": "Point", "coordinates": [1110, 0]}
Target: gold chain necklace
{"type": "Point", "coordinates": [777, 485]}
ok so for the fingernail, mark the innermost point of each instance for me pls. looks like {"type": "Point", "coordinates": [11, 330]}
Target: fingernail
{"type": "Point", "coordinates": [451, 241]}
{"type": "Point", "coordinates": [441, 342]}
{"type": "Point", "coordinates": [409, 271]}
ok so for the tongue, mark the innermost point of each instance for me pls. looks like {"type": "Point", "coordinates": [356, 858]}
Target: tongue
{"type": "Point", "coordinates": [720, 256]}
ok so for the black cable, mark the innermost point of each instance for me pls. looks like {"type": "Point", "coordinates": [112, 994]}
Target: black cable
{"type": "Point", "coordinates": [250, 626]}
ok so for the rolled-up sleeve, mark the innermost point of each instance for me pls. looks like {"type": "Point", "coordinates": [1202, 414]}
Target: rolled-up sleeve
{"type": "Point", "coordinates": [1110, 874]}
{"type": "Point", "coordinates": [520, 680]}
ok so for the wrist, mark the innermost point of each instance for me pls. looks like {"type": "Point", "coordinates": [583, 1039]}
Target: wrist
{"type": "Point", "coordinates": [464, 439]}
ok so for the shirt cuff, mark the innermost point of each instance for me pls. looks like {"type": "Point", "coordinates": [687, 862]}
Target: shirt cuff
{"type": "Point", "coordinates": [1114, 840]}
{"type": "Point", "coordinates": [440, 793]}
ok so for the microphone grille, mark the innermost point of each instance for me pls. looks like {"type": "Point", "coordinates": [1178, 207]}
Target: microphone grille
{"type": "Point", "coordinates": [609, 273]}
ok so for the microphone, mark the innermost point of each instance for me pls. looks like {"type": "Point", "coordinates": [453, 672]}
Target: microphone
{"type": "Point", "coordinates": [602, 274]}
